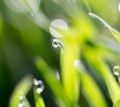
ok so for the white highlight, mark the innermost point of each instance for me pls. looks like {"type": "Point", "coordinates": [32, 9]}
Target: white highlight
{"type": "Point", "coordinates": [58, 24]}
{"type": "Point", "coordinates": [100, 19]}
{"type": "Point", "coordinates": [57, 75]}
{"type": "Point", "coordinates": [57, 43]}
{"type": "Point", "coordinates": [77, 63]}
{"type": "Point", "coordinates": [39, 86]}
{"type": "Point", "coordinates": [20, 105]}
{"type": "Point", "coordinates": [119, 7]}
{"type": "Point", "coordinates": [116, 73]}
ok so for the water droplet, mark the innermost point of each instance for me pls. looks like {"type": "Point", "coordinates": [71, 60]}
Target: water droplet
{"type": "Point", "coordinates": [20, 95]}
{"type": "Point", "coordinates": [57, 75]}
{"type": "Point", "coordinates": [116, 72]}
{"type": "Point", "coordinates": [21, 103]}
{"type": "Point", "coordinates": [78, 64]}
{"type": "Point", "coordinates": [58, 24]}
{"type": "Point", "coordinates": [39, 86]}
{"type": "Point", "coordinates": [21, 98]}
{"type": "Point", "coordinates": [57, 43]}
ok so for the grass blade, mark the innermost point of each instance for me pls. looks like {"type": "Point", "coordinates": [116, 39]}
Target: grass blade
{"type": "Point", "coordinates": [18, 97]}
{"type": "Point", "coordinates": [90, 89]}
{"type": "Point", "coordinates": [112, 30]}
{"type": "Point", "coordinates": [52, 81]}
{"type": "Point", "coordinates": [38, 99]}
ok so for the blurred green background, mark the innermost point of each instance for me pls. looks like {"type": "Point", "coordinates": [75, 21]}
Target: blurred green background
{"type": "Point", "coordinates": [21, 40]}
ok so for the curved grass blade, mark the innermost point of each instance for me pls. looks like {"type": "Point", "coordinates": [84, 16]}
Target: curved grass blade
{"type": "Point", "coordinates": [90, 89]}
{"type": "Point", "coordinates": [52, 81]}
{"type": "Point", "coordinates": [112, 85]}
{"type": "Point", "coordinates": [38, 99]}
{"type": "Point", "coordinates": [69, 73]}
{"type": "Point", "coordinates": [112, 30]}
{"type": "Point", "coordinates": [92, 92]}
{"type": "Point", "coordinates": [18, 97]}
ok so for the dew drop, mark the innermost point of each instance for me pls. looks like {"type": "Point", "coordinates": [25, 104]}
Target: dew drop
{"type": "Point", "coordinates": [116, 72]}
{"type": "Point", "coordinates": [57, 43]}
{"type": "Point", "coordinates": [78, 64]}
{"type": "Point", "coordinates": [21, 103]}
{"type": "Point", "coordinates": [58, 24]}
{"type": "Point", "coordinates": [38, 85]}
{"type": "Point", "coordinates": [21, 98]}
{"type": "Point", "coordinates": [57, 75]}
{"type": "Point", "coordinates": [116, 69]}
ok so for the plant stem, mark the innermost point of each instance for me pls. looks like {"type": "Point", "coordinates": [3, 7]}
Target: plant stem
{"type": "Point", "coordinates": [69, 54]}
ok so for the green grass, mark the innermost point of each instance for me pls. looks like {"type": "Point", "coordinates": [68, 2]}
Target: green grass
{"type": "Point", "coordinates": [87, 52]}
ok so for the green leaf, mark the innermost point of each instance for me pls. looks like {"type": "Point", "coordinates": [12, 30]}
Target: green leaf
{"type": "Point", "coordinates": [38, 99]}
{"type": "Point", "coordinates": [112, 30]}
{"type": "Point", "coordinates": [18, 96]}
{"type": "Point", "coordinates": [69, 54]}
{"type": "Point", "coordinates": [112, 85]}
{"type": "Point", "coordinates": [52, 81]}
{"type": "Point", "coordinates": [91, 90]}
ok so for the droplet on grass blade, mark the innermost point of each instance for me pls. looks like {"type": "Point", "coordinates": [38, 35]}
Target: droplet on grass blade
{"type": "Point", "coordinates": [116, 72]}
{"type": "Point", "coordinates": [79, 66]}
{"type": "Point", "coordinates": [38, 89]}
{"type": "Point", "coordinates": [57, 43]}
{"type": "Point", "coordinates": [59, 24]}
{"type": "Point", "coordinates": [21, 91]}
{"type": "Point", "coordinates": [39, 86]}
{"type": "Point", "coordinates": [77, 63]}
{"type": "Point", "coordinates": [21, 103]}
{"type": "Point", "coordinates": [57, 75]}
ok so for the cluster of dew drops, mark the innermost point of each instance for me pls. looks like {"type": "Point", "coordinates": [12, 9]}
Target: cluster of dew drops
{"type": "Point", "coordinates": [38, 85]}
